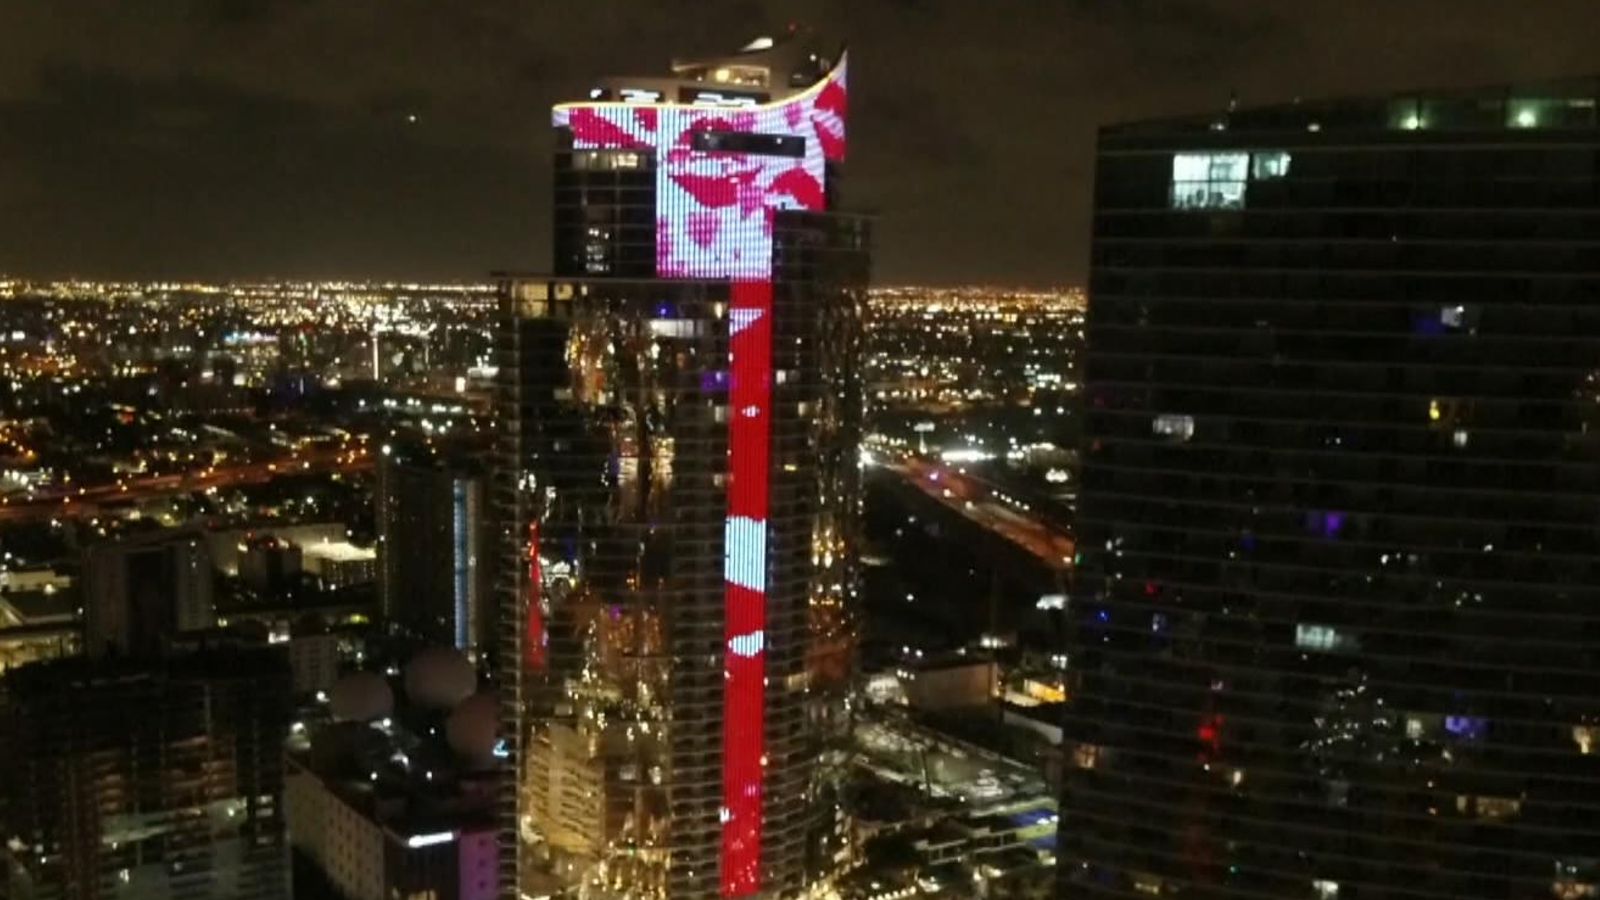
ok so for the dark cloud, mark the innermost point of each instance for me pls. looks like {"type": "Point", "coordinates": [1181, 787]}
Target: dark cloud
{"type": "Point", "coordinates": [250, 137]}
{"type": "Point", "coordinates": [235, 12]}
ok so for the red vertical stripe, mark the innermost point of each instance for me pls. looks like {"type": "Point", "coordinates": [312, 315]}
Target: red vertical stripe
{"type": "Point", "coordinates": [744, 690]}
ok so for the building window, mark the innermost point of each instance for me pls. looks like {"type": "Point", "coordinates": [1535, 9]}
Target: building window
{"type": "Point", "coordinates": [1325, 523]}
{"type": "Point", "coordinates": [1086, 756]}
{"type": "Point", "coordinates": [1585, 737]}
{"type": "Point", "coordinates": [1467, 728]}
{"type": "Point", "coordinates": [1209, 180]}
{"type": "Point", "coordinates": [1523, 115]}
{"type": "Point", "coordinates": [1493, 808]}
{"type": "Point", "coordinates": [1550, 112]}
{"type": "Point", "coordinates": [1323, 639]}
{"type": "Point", "coordinates": [1269, 164]}
{"type": "Point", "coordinates": [1575, 880]}
{"type": "Point", "coordinates": [1146, 883]}
{"type": "Point", "coordinates": [607, 160]}
{"type": "Point", "coordinates": [1448, 413]}
{"type": "Point", "coordinates": [1176, 427]}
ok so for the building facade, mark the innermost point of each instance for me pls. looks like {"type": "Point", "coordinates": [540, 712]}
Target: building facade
{"type": "Point", "coordinates": [1340, 510]}
{"type": "Point", "coordinates": [681, 404]}
{"type": "Point", "coordinates": [432, 528]}
{"type": "Point", "coordinates": [160, 778]}
{"type": "Point", "coordinates": [141, 591]}
{"type": "Point", "coordinates": [366, 848]}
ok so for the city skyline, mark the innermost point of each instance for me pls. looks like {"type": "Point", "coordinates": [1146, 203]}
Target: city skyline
{"type": "Point", "coordinates": [249, 138]}
{"type": "Point", "coordinates": [619, 451]}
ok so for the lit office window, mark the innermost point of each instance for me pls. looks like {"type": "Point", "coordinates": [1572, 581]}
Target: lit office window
{"type": "Point", "coordinates": [1489, 807]}
{"type": "Point", "coordinates": [1323, 638]}
{"type": "Point", "coordinates": [1269, 164]}
{"type": "Point", "coordinates": [599, 160]}
{"type": "Point", "coordinates": [1571, 112]}
{"type": "Point", "coordinates": [1176, 427]}
{"type": "Point", "coordinates": [1209, 180]}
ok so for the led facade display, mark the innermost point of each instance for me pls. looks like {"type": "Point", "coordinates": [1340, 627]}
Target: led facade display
{"type": "Point", "coordinates": [714, 207]}
{"type": "Point", "coordinates": [716, 198]}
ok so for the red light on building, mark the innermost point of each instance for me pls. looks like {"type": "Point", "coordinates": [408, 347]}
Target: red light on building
{"type": "Point", "coordinates": [744, 693]}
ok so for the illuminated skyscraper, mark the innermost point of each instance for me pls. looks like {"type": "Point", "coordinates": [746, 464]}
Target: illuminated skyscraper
{"type": "Point", "coordinates": [681, 406]}
{"type": "Point", "coordinates": [1335, 622]}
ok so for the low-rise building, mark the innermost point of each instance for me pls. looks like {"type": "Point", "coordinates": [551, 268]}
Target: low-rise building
{"type": "Point", "coordinates": [389, 803]}
{"type": "Point", "coordinates": [339, 563]}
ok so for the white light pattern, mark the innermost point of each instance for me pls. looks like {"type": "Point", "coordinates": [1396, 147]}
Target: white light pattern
{"type": "Point", "coordinates": [745, 563]}
{"type": "Point", "coordinates": [747, 645]}
{"type": "Point", "coordinates": [740, 319]}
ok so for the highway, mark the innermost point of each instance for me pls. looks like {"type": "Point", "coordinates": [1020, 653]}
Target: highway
{"type": "Point", "coordinates": [69, 502]}
{"type": "Point", "coordinates": [988, 506]}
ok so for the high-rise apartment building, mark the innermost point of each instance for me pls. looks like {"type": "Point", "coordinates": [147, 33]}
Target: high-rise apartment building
{"type": "Point", "coordinates": [1340, 510]}
{"type": "Point", "coordinates": [432, 528]}
{"type": "Point", "coordinates": [681, 404]}
{"type": "Point", "coordinates": [140, 592]}
{"type": "Point", "coordinates": [145, 778]}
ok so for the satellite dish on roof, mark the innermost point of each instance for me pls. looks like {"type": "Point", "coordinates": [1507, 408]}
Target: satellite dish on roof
{"type": "Point", "coordinates": [361, 697]}
{"type": "Point", "coordinates": [440, 678]}
{"type": "Point", "coordinates": [471, 728]}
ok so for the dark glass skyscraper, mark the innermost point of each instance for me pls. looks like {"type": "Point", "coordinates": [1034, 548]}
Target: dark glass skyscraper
{"type": "Point", "coordinates": [433, 568]}
{"type": "Point", "coordinates": [1335, 630]}
{"type": "Point", "coordinates": [681, 404]}
{"type": "Point", "coordinates": [145, 778]}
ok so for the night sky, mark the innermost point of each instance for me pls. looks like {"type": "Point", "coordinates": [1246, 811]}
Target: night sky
{"type": "Point", "coordinates": [248, 138]}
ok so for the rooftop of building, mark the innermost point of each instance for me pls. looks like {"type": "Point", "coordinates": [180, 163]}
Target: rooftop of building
{"type": "Point", "coordinates": [37, 605]}
{"type": "Point", "coordinates": [399, 768]}
{"type": "Point", "coordinates": [268, 541]}
{"type": "Point", "coordinates": [338, 551]}
{"type": "Point", "coordinates": [457, 459]}
{"type": "Point", "coordinates": [1556, 105]}
{"type": "Point", "coordinates": [943, 660]}
{"type": "Point", "coordinates": [224, 661]}
{"type": "Point", "coordinates": [767, 69]}
{"type": "Point", "coordinates": [411, 811]}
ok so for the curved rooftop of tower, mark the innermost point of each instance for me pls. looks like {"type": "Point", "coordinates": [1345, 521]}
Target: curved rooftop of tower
{"type": "Point", "coordinates": [766, 69]}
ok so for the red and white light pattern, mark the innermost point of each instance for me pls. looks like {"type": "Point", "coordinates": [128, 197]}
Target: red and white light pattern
{"type": "Point", "coordinates": [745, 585]}
{"type": "Point", "coordinates": [714, 219]}
{"type": "Point", "coordinates": [714, 208]}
